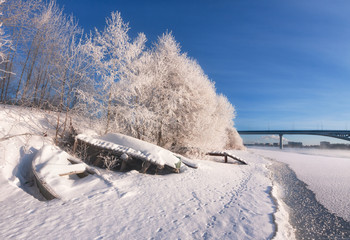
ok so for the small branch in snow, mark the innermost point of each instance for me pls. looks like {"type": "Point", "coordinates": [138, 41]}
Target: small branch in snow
{"type": "Point", "coordinates": [18, 135]}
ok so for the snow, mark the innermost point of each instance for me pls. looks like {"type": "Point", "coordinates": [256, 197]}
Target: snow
{"type": "Point", "coordinates": [51, 162]}
{"type": "Point", "coordinates": [184, 206]}
{"type": "Point", "coordinates": [325, 171]}
{"type": "Point", "coordinates": [215, 201]}
{"type": "Point", "coordinates": [133, 147]}
{"type": "Point", "coordinates": [157, 154]}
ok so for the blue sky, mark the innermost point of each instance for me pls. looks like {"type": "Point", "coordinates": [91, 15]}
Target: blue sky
{"type": "Point", "coordinates": [282, 64]}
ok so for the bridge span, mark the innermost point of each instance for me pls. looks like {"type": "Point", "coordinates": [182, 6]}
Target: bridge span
{"type": "Point", "coordinates": [340, 134]}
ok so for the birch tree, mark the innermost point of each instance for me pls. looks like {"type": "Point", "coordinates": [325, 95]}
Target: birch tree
{"type": "Point", "coordinates": [17, 19]}
{"type": "Point", "coordinates": [4, 41]}
{"type": "Point", "coordinates": [113, 54]}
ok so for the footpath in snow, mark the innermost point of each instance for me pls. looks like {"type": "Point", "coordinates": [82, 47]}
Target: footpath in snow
{"type": "Point", "coordinates": [225, 201]}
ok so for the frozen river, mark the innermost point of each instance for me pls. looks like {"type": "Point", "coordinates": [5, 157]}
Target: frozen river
{"type": "Point", "coordinates": [316, 189]}
{"type": "Point", "coordinates": [310, 219]}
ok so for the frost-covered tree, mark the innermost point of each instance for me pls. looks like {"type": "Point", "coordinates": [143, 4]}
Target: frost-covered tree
{"type": "Point", "coordinates": [113, 54]}
{"type": "Point", "coordinates": [234, 140]}
{"type": "Point", "coordinates": [43, 54]}
{"type": "Point", "coordinates": [18, 22]}
{"type": "Point", "coordinates": [159, 95]}
{"type": "Point", "coordinates": [4, 41]}
{"type": "Point", "coordinates": [5, 44]}
{"type": "Point", "coordinates": [171, 102]}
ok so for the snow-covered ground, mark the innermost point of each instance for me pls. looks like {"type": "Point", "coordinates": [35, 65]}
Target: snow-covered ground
{"type": "Point", "coordinates": [215, 201]}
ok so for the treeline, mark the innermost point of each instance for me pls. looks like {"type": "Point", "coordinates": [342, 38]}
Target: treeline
{"type": "Point", "coordinates": [157, 94]}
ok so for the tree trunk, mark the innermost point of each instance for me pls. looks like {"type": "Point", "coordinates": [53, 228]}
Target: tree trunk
{"type": "Point", "coordinates": [23, 69]}
{"type": "Point", "coordinates": [29, 76]}
{"type": "Point", "coordinates": [11, 63]}
{"type": "Point", "coordinates": [109, 110]}
{"type": "Point", "coordinates": [3, 84]}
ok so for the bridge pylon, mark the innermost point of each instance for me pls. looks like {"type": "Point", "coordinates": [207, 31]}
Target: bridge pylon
{"type": "Point", "coordinates": [281, 141]}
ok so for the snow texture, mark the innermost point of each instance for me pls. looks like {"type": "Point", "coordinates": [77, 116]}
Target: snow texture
{"type": "Point", "coordinates": [51, 162]}
{"type": "Point", "coordinates": [326, 172]}
{"type": "Point", "coordinates": [215, 201]}
{"type": "Point", "coordinates": [134, 148]}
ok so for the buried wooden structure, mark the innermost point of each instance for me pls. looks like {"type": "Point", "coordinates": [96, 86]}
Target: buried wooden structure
{"type": "Point", "coordinates": [117, 157]}
{"type": "Point", "coordinates": [46, 190]}
{"type": "Point", "coordinates": [43, 187]}
{"type": "Point", "coordinates": [226, 155]}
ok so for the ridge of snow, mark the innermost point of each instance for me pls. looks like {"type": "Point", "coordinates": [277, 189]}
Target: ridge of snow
{"type": "Point", "coordinates": [133, 147]}
{"type": "Point", "coordinates": [112, 146]}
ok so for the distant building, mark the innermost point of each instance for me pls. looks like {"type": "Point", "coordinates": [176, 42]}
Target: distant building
{"type": "Point", "coordinates": [325, 144]}
{"type": "Point", "coordinates": [295, 144]}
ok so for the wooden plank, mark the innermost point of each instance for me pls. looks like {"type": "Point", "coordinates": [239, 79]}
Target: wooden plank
{"type": "Point", "coordinates": [71, 173]}
{"type": "Point", "coordinates": [74, 160]}
{"type": "Point", "coordinates": [225, 155]}
{"type": "Point", "coordinates": [188, 162]}
{"type": "Point", "coordinates": [44, 188]}
{"type": "Point", "coordinates": [237, 159]}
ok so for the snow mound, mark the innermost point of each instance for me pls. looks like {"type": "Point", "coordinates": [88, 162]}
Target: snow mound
{"type": "Point", "coordinates": [134, 147]}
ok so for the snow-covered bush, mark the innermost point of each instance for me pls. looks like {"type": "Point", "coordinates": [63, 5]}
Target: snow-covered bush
{"type": "Point", "coordinates": [169, 101]}
{"type": "Point", "coordinates": [234, 141]}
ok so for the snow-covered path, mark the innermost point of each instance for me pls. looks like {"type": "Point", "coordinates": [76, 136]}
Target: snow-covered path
{"type": "Point", "coordinates": [218, 200]}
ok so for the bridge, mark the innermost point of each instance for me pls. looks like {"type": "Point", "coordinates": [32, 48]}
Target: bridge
{"type": "Point", "coordinates": [340, 134]}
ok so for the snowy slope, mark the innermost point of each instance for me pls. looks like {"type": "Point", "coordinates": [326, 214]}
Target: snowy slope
{"type": "Point", "coordinates": [215, 201]}
{"type": "Point", "coordinates": [227, 202]}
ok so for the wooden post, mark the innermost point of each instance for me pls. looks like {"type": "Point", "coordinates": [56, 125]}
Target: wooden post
{"type": "Point", "coordinates": [75, 146]}
{"type": "Point", "coordinates": [145, 166]}
{"type": "Point", "coordinates": [125, 158]}
{"type": "Point", "coordinates": [123, 166]}
{"type": "Point", "coordinates": [225, 158]}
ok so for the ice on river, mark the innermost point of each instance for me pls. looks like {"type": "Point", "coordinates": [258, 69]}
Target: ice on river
{"type": "Point", "coordinates": [326, 172]}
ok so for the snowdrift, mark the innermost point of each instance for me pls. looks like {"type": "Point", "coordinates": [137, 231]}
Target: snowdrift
{"type": "Point", "coordinates": [130, 151]}
{"type": "Point", "coordinates": [57, 177]}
